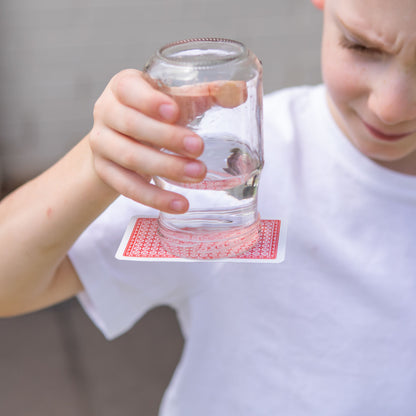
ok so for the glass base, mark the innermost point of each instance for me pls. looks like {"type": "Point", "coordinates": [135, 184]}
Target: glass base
{"type": "Point", "coordinates": [209, 245]}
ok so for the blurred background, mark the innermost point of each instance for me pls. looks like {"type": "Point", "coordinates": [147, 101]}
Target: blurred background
{"type": "Point", "coordinates": [56, 57]}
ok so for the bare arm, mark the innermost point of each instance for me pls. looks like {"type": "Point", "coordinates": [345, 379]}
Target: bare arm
{"type": "Point", "coordinates": [38, 224]}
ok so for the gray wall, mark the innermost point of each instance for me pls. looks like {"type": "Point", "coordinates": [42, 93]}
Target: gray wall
{"type": "Point", "coordinates": [56, 57]}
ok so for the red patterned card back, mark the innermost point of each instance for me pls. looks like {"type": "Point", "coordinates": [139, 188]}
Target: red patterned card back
{"type": "Point", "coordinates": [141, 242]}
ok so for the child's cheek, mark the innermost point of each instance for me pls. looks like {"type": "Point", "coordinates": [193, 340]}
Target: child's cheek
{"type": "Point", "coordinates": [344, 79]}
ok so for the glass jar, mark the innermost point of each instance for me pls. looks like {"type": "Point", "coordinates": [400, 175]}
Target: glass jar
{"type": "Point", "coordinates": [217, 84]}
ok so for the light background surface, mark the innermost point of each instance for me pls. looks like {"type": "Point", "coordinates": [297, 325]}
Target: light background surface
{"type": "Point", "coordinates": [56, 56]}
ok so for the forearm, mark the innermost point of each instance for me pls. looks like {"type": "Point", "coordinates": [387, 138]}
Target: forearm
{"type": "Point", "coordinates": [41, 220]}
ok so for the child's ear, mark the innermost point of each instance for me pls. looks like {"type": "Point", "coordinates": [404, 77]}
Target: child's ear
{"type": "Point", "coordinates": [318, 4]}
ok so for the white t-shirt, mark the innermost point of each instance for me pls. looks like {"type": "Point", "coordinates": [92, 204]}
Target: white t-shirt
{"type": "Point", "coordinates": [331, 331]}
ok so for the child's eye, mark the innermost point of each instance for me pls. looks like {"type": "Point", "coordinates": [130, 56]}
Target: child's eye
{"type": "Point", "coordinates": [358, 47]}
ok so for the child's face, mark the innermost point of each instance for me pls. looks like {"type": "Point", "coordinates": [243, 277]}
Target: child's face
{"type": "Point", "coordinates": [369, 67]}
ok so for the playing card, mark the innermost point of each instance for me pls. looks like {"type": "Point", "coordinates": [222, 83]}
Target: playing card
{"type": "Point", "coordinates": [141, 243]}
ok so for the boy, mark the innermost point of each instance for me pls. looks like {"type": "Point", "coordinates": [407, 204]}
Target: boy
{"type": "Point", "coordinates": [331, 331]}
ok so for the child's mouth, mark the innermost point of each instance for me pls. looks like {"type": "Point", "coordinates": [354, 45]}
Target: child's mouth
{"type": "Point", "coordinates": [383, 136]}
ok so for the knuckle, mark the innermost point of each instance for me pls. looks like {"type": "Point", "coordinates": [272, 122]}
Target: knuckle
{"type": "Point", "coordinates": [129, 161]}
{"type": "Point", "coordinates": [130, 123]}
{"type": "Point", "coordinates": [97, 109]}
{"type": "Point", "coordinates": [97, 138]}
{"type": "Point", "coordinates": [94, 138]}
{"type": "Point", "coordinates": [121, 83]}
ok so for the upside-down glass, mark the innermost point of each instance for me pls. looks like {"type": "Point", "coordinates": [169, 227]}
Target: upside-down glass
{"type": "Point", "coordinates": [217, 84]}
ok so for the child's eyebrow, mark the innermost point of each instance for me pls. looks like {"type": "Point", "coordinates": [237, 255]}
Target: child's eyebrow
{"type": "Point", "coordinates": [355, 36]}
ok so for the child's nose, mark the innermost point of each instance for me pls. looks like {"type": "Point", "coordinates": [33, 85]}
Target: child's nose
{"type": "Point", "coordinates": [393, 97]}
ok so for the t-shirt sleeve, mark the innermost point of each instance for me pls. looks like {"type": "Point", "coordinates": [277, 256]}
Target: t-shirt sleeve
{"type": "Point", "coordinates": [108, 300]}
{"type": "Point", "coordinates": [118, 293]}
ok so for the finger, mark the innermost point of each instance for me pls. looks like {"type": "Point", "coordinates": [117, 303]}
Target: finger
{"type": "Point", "coordinates": [145, 160]}
{"type": "Point", "coordinates": [133, 89]}
{"type": "Point", "coordinates": [134, 124]}
{"type": "Point", "coordinates": [137, 188]}
{"type": "Point", "coordinates": [191, 106]}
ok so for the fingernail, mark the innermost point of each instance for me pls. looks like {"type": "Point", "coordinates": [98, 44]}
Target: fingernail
{"type": "Point", "coordinates": [193, 144]}
{"type": "Point", "coordinates": [178, 205]}
{"type": "Point", "coordinates": [167, 111]}
{"type": "Point", "coordinates": [194, 169]}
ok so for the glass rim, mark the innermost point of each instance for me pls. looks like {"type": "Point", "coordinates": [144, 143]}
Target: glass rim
{"type": "Point", "coordinates": [239, 52]}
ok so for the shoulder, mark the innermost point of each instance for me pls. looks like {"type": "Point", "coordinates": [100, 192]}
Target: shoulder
{"type": "Point", "coordinates": [291, 117]}
{"type": "Point", "coordinates": [290, 113]}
